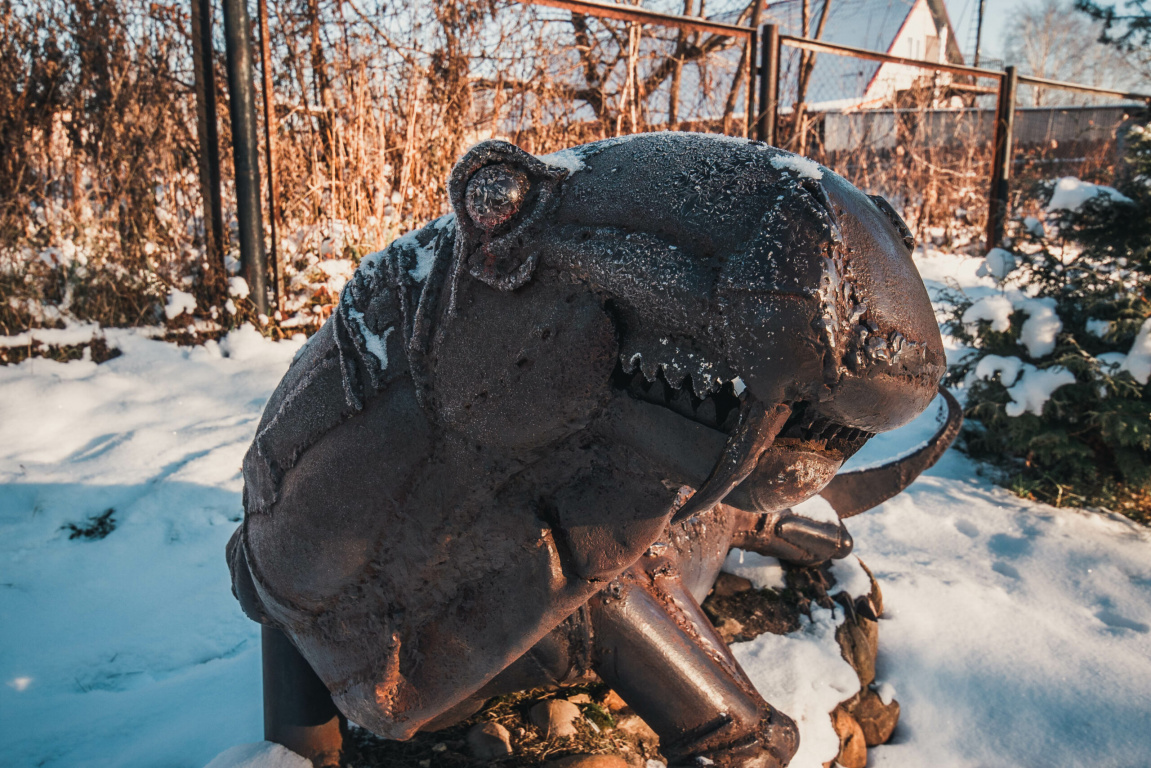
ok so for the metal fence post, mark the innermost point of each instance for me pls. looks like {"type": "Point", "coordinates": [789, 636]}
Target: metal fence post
{"type": "Point", "coordinates": [270, 151]}
{"type": "Point", "coordinates": [752, 56]}
{"type": "Point", "coordinates": [207, 133]}
{"type": "Point", "coordinates": [245, 146]}
{"type": "Point", "coordinates": [768, 84]}
{"type": "Point", "coordinates": [298, 710]}
{"type": "Point", "coordinates": [997, 200]}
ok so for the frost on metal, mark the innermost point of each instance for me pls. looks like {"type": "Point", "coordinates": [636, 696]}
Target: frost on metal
{"type": "Point", "coordinates": [534, 428]}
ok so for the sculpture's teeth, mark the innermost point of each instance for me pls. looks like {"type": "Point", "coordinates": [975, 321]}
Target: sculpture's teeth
{"type": "Point", "coordinates": [758, 427]}
{"type": "Point", "coordinates": [678, 360]}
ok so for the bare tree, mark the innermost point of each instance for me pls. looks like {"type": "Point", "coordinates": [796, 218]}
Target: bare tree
{"type": "Point", "coordinates": [1050, 39]}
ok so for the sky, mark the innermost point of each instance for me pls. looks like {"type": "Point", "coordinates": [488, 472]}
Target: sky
{"type": "Point", "coordinates": [996, 14]}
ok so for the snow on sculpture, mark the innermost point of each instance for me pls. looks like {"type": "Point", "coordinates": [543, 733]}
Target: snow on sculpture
{"type": "Point", "coordinates": [520, 451]}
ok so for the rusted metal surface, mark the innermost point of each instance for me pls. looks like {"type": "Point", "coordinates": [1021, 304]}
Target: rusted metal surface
{"type": "Point", "coordinates": [1080, 88]}
{"type": "Point", "coordinates": [998, 202]}
{"type": "Point", "coordinates": [644, 16]}
{"type": "Point", "coordinates": [820, 46]}
{"type": "Point", "coordinates": [768, 85]}
{"type": "Point", "coordinates": [520, 450]}
{"type": "Point", "coordinates": [853, 492]}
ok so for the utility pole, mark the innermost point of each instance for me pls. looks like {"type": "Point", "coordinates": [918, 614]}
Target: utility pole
{"type": "Point", "coordinates": [979, 32]}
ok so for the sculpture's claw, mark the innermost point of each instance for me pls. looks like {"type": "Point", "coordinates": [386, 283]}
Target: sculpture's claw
{"type": "Point", "coordinates": [793, 538]}
{"type": "Point", "coordinates": [811, 541]}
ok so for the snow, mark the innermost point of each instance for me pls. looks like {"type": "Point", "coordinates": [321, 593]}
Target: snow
{"type": "Point", "coordinates": [1007, 368]}
{"type": "Point", "coordinates": [850, 577]}
{"type": "Point", "coordinates": [1098, 328]}
{"type": "Point", "coordinates": [1040, 330]}
{"type": "Point", "coordinates": [425, 254]}
{"type": "Point", "coordinates": [1042, 326]}
{"type": "Point", "coordinates": [996, 264]}
{"type": "Point", "coordinates": [1034, 226]}
{"type": "Point", "coordinates": [1014, 633]}
{"type": "Point", "coordinates": [1112, 360]}
{"type": "Point", "coordinates": [377, 345]}
{"type": "Point", "coordinates": [1029, 387]}
{"type": "Point", "coordinates": [73, 333]}
{"type": "Point", "coordinates": [1070, 194]}
{"type": "Point", "coordinates": [259, 754]}
{"type": "Point", "coordinates": [238, 288]}
{"type": "Point", "coordinates": [805, 168]}
{"type": "Point", "coordinates": [1035, 388]}
{"type": "Point", "coordinates": [179, 302]}
{"type": "Point", "coordinates": [804, 675]}
{"type": "Point", "coordinates": [128, 650]}
{"type": "Point", "coordinates": [565, 158]}
{"type": "Point", "coordinates": [995, 309]}
{"type": "Point", "coordinates": [889, 446]}
{"type": "Point", "coordinates": [1138, 361]}
{"type": "Point", "coordinates": [762, 571]}
{"type": "Point", "coordinates": [818, 509]}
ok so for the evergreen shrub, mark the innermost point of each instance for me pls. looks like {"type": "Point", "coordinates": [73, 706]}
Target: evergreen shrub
{"type": "Point", "coordinates": [1057, 380]}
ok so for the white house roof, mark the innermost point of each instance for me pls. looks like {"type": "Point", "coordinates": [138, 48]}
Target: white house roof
{"type": "Point", "coordinates": [871, 24]}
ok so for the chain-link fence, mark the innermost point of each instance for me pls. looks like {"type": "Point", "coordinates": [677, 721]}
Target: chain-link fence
{"type": "Point", "coordinates": [924, 133]}
{"type": "Point", "coordinates": [368, 105]}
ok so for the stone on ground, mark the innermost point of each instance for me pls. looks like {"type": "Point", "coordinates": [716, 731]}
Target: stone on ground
{"type": "Point", "coordinates": [877, 719]}
{"type": "Point", "coordinates": [489, 741]}
{"type": "Point", "coordinates": [556, 718]}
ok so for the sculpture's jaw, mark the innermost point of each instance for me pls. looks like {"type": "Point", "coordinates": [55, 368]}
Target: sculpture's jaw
{"type": "Point", "coordinates": [729, 446]}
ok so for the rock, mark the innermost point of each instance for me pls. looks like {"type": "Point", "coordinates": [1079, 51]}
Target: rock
{"type": "Point", "coordinates": [859, 644]}
{"type": "Point", "coordinates": [588, 761]}
{"type": "Point", "coordinates": [614, 702]}
{"type": "Point", "coordinates": [580, 698]}
{"type": "Point", "coordinates": [729, 629]}
{"type": "Point", "coordinates": [634, 726]}
{"type": "Point", "coordinates": [852, 747]}
{"type": "Point", "coordinates": [729, 584]}
{"type": "Point", "coordinates": [489, 741]}
{"type": "Point", "coordinates": [556, 718]}
{"type": "Point", "coordinates": [876, 595]}
{"type": "Point", "coordinates": [877, 719]}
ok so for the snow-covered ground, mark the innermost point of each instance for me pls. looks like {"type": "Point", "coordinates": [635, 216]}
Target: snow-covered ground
{"type": "Point", "coordinates": [1016, 634]}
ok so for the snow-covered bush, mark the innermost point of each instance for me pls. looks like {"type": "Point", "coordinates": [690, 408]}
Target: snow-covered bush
{"type": "Point", "coordinates": [1058, 379]}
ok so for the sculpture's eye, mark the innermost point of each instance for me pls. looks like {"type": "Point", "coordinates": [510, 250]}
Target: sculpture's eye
{"type": "Point", "coordinates": [495, 194]}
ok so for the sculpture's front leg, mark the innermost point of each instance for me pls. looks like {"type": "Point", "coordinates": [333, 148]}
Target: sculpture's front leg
{"type": "Point", "coordinates": [790, 537]}
{"type": "Point", "coordinates": [655, 647]}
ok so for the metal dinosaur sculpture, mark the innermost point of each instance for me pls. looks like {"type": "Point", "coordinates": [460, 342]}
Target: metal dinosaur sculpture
{"type": "Point", "coordinates": [520, 450]}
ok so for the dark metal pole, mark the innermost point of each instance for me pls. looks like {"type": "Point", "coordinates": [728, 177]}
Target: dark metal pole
{"type": "Point", "coordinates": [298, 710]}
{"type": "Point", "coordinates": [270, 151]}
{"type": "Point", "coordinates": [768, 84]}
{"type": "Point", "coordinates": [207, 132]}
{"type": "Point", "coordinates": [245, 148]}
{"type": "Point", "coordinates": [979, 33]}
{"type": "Point", "coordinates": [752, 56]}
{"type": "Point", "coordinates": [1001, 161]}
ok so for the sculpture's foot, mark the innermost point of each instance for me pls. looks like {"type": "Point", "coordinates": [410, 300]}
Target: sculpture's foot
{"type": "Point", "coordinates": [656, 648]}
{"type": "Point", "coordinates": [298, 710]}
